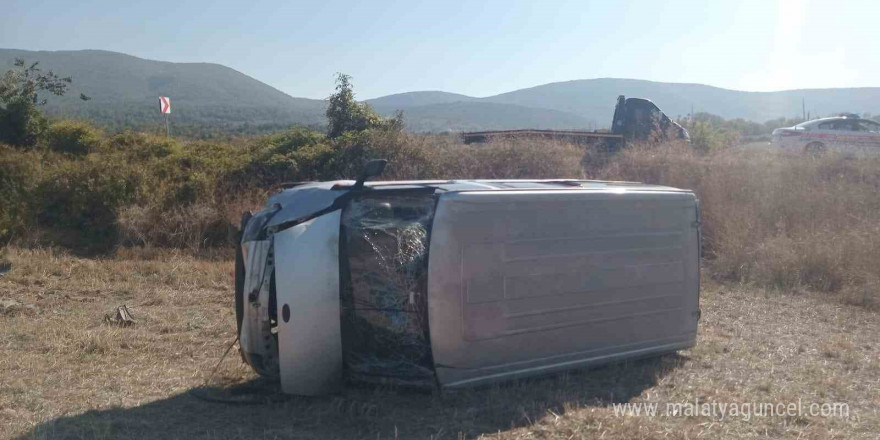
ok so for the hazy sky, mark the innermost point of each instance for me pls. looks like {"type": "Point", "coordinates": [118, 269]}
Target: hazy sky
{"type": "Point", "coordinates": [475, 48]}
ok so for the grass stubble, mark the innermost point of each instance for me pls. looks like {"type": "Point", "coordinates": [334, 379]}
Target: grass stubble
{"type": "Point", "coordinates": [66, 374]}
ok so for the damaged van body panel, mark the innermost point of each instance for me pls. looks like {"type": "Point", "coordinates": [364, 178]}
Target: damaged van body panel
{"type": "Point", "coordinates": [307, 292]}
{"type": "Point", "coordinates": [258, 331]}
{"type": "Point", "coordinates": [457, 283]}
{"type": "Point", "coordinates": [303, 201]}
{"type": "Point", "coordinates": [258, 347]}
{"type": "Point", "coordinates": [537, 281]}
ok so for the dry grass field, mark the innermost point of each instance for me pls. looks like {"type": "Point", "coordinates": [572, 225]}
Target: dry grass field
{"type": "Point", "coordinates": [790, 314]}
{"type": "Point", "coordinates": [64, 373]}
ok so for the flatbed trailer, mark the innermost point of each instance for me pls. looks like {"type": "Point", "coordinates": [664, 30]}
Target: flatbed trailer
{"type": "Point", "coordinates": [573, 136]}
{"type": "Point", "coordinates": [635, 120]}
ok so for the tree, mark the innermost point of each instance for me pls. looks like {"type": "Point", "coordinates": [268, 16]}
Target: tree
{"type": "Point", "coordinates": [21, 121]}
{"type": "Point", "coordinates": [345, 114]}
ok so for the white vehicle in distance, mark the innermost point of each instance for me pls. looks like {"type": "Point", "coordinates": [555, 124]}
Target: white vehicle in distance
{"type": "Point", "coordinates": [848, 134]}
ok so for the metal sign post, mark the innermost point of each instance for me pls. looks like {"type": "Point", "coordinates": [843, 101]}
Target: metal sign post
{"type": "Point", "coordinates": [165, 109]}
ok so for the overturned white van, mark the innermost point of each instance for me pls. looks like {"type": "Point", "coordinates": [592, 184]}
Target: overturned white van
{"type": "Point", "coordinates": [463, 282]}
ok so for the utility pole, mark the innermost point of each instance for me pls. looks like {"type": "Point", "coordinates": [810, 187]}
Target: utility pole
{"type": "Point", "coordinates": [804, 108]}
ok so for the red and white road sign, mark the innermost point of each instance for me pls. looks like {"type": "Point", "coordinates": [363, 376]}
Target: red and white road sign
{"type": "Point", "coordinates": [164, 104]}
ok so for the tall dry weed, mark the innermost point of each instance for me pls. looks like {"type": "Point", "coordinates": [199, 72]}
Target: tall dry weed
{"type": "Point", "coordinates": [506, 159]}
{"type": "Point", "coordinates": [194, 227]}
{"type": "Point", "coordinates": [775, 219]}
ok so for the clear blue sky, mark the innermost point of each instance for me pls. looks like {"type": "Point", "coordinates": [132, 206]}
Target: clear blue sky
{"type": "Point", "coordinates": [475, 48]}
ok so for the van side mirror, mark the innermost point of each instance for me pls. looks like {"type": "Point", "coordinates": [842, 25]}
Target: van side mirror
{"type": "Point", "coordinates": [373, 168]}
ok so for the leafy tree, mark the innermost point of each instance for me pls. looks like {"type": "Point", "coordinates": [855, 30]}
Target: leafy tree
{"type": "Point", "coordinates": [21, 121]}
{"type": "Point", "coordinates": [345, 114]}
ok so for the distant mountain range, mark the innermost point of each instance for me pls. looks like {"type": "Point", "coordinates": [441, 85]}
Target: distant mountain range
{"type": "Point", "coordinates": [124, 91]}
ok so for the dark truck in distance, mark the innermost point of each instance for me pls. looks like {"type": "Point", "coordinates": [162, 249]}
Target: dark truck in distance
{"type": "Point", "coordinates": [635, 120]}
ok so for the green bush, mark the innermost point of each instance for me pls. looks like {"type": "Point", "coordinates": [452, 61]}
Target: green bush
{"type": "Point", "coordinates": [72, 137]}
{"type": "Point", "coordinates": [277, 158]}
{"type": "Point", "coordinates": [409, 156]}
{"type": "Point", "coordinates": [706, 137]}
{"type": "Point", "coordinates": [142, 146]}
{"type": "Point", "coordinates": [79, 201]}
{"type": "Point", "coordinates": [191, 174]}
{"type": "Point", "coordinates": [19, 175]}
{"type": "Point", "coordinates": [21, 124]}
{"type": "Point", "coordinates": [289, 141]}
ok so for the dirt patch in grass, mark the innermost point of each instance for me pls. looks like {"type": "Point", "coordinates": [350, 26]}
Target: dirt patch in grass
{"type": "Point", "coordinates": [66, 374]}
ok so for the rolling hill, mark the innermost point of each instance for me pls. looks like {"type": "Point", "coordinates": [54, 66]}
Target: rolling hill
{"type": "Point", "coordinates": [390, 103]}
{"type": "Point", "coordinates": [213, 98]}
{"type": "Point", "coordinates": [124, 91]}
{"type": "Point", "coordinates": [590, 102]}
{"type": "Point", "coordinates": [478, 115]}
{"type": "Point", "coordinates": [435, 111]}
{"type": "Point", "coordinates": [592, 98]}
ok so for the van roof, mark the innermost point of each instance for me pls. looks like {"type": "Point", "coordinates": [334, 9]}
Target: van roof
{"type": "Point", "coordinates": [456, 185]}
{"type": "Point", "coordinates": [308, 198]}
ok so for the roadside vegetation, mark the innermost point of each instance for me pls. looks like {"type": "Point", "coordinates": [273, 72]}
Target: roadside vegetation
{"type": "Point", "coordinates": [770, 219]}
{"type": "Point", "coordinates": [90, 220]}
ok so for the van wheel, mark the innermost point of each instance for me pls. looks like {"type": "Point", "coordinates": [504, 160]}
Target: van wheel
{"type": "Point", "coordinates": [814, 148]}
